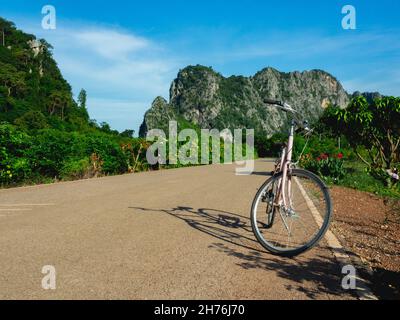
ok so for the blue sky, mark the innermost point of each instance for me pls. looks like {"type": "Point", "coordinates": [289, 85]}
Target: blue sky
{"type": "Point", "coordinates": [125, 53]}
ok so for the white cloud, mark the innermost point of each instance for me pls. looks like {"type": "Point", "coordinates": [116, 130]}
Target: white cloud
{"type": "Point", "coordinates": [121, 71]}
{"type": "Point", "coordinates": [111, 44]}
{"type": "Point", "coordinates": [112, 60]}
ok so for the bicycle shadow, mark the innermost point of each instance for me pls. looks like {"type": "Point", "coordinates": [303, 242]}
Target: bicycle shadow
{"type": "Point", "coordinates": [216, 223]}
{"type": "Point", "coordinates": [312, 274]}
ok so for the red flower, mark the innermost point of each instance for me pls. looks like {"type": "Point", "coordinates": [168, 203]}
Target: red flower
{"type": "Point", "coordinates": [340, 156]}
{"type": "Point", "coordinates": [318, 159]}
{"type": "Point", "coordinates": [324, 156]}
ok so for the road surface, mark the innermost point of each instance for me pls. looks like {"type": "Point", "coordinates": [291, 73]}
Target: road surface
{"type": "Point", "coordinates": [171, 234]}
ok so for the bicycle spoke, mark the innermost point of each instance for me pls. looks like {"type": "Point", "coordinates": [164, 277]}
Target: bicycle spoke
{"type": "Point", "coordinates": [297, 229]}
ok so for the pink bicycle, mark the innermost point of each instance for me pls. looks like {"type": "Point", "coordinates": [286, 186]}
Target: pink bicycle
{"type": "Point", "coordinates": [292, 210]}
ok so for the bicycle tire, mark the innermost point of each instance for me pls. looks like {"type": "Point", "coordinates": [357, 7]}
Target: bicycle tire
{"type": "Point", "coordinates": [316, 238]}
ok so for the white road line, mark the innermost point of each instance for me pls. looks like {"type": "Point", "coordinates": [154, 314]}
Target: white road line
{"type": "Point", "coordinates": [363, 291]}
{"type": "Point", "coordinates": [28, 205]}
{"type": "Point", "coordinates": [17, 209]}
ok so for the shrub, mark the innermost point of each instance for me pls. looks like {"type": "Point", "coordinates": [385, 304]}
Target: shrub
{"type": "Point", "coordinates": [114, 160]}
{"type": "Point", "coordinates": [331, 168]}
{"type": "Point", "coordinates": [51, 153]}
{"type": "Point", "coordinates": [76, 169]}
{"type": "Point", "coordinates": [14, 167]}
{"type": "Point", "coordinates": [135, 152]}
{"type": "Point", "coordinates": [50, 149]}
{"type": "Point", "coordinates": [21, 169]}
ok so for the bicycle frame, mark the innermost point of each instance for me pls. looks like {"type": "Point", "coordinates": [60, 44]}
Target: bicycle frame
{"type": "Point", "coordinates": [285, 161]}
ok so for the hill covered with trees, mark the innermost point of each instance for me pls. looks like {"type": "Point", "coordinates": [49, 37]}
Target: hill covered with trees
{"type": "Point", "coordinates": [33, 92]}
{"type": "Point", "coordinates": [46, 135]}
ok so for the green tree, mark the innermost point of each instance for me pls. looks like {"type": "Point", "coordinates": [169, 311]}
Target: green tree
{"type": "Point", "coordinates": [12, 79]}
{"type": "Point", "coordinates": [32, 120]}
{"type": "Point", "coordinates": [82, 97]}
{"type": "Point", "coordinates": [59, 103]}
{"type": "Point", "coordinates": [128, 133]}
{"type": "Point", "coordinates": [376, 126]}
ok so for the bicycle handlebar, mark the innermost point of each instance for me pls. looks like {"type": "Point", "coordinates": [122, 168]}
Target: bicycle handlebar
{"type": "Point", "coordinates": [287, 108]}
{"type": "Point", "coordinates": [281, 105]}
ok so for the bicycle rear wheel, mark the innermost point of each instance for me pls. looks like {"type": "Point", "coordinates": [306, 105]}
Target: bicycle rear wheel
{"type": "Point", "coordinates": [298, 226]}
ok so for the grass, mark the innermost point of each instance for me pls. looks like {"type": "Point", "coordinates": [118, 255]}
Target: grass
{"type": "Point", "coordinates": [357, 178]}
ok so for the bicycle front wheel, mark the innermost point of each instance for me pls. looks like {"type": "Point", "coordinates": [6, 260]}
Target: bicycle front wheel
{"type": "Point", "coordinates": [299, 220]}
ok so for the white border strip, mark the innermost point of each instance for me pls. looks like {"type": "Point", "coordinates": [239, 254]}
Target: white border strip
{"type": "Point", "coordinates": [362, 289]}
{"type": "Point", "coordinates": [27, 205]}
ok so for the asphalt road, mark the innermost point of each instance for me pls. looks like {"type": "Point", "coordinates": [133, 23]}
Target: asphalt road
{"type": "Point", "coordinates": [172, 234]}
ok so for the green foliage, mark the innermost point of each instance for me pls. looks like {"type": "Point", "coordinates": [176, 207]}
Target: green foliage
{"type": "Point", "coordinates": [329, 167]}
{"type": "Point", "coordinates": [194, 73]}
{"type": "Point", "coordinates": [30, 82]}
{"type": "Point", "coordinates": [110, 152]}
{"type": "Point", "coordinates": [12, 80]}
{"type": "Point", "coordinates": [128, 133]}
{"type": "Point", "coordinates": [105, 127]}
{"type": "Point", "coordinates": [358, 177]}
{"type": "Point", "coordinates": [54, 154]}
{"type": "Point", "coordinates": [269, 147]}
{"type": "Point", "coordinates": [374, 126]}
{"type": "Point", "coordinates": [32, 120]}
{"type": "Point", "coordinates": [315, 145]}
{"type": "Point", "coordinates": [369, 133]}
{"type": "Point", "coordinates": [231, 87]}
{"type": "Point", "coordinates": [75, 169]}
{"type": "Point", "coordinates": [82, 97]}
{"type": "Point", "coordinates": [14, 165]}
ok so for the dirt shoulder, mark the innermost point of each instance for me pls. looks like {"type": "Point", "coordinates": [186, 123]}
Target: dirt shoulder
{"type": "Point", "coordinates": [369, 226]}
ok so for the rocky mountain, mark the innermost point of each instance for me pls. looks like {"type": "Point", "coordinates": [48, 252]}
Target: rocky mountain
{"type": "Point", "coordinates": [205, 98]}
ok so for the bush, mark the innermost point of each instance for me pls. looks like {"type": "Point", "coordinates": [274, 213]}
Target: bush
{"type": "Point", "coordinates": [110, 152]}
{"type": "Point", "coordinates": [21, 169]}
{"type": "Point", "coordinates": [331, 168]}
{"type": "Point", "coordinates": [76, 169]}
{"type": "Point", "coordinates": [269, 147]}
{"type": "Point", "coordinates": [49, 151]}
{"type": "Point", "coordinates": [135, 153]}
{"type": "Point", "coordinates": [14, 166]}
{"type": "Point", "coordinates": [53, 154]}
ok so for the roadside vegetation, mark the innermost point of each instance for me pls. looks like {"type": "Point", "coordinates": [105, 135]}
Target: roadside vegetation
{"type": "Point", "coordinates": [356, 147]}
